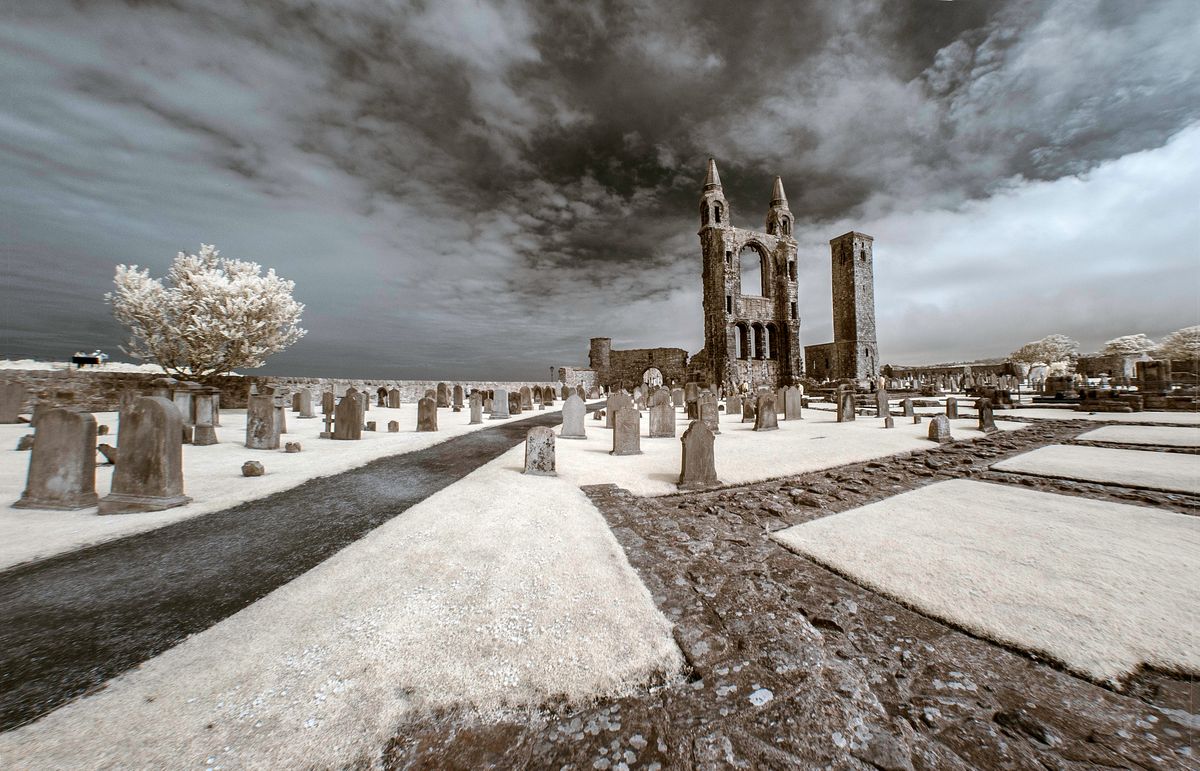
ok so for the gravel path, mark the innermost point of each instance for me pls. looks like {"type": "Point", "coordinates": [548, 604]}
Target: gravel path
{"type": "Point", "coordinates": [74, 621]}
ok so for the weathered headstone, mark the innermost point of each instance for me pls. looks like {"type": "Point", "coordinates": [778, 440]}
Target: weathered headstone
{"type": "Point", "coordinates": [515, 405]}
{"type": "Point", "coordinates": [526, 398]}
{"type": "Point", "coordinates": [370, 426]}
{"type": "Point", "coordinates": [766, 417]}
{"type": "Point", "coordinates": [304, 396]}
{"type": "Point", "coordinates": [62, 466]}
{"type": "Point", "coordinates": [677, 399]}
{"type": "Point", "coordinates": [539, 452]}
{"type": "Point", "coordinates": [733, 405]}
{"type": "Point", "coordinates": [662, 415]}
{"type": "Point", "coordinates": [500, 405]}
{"type": "Point", "coordinates": [565, 392]}
{"type": "Point", "coordinates": [749, 409]}
{"type": "Point", "coordinates": [205, 433]}
{"type": "Point", "coordinates": [260, 423]}
{"type": "Point", "coordinates": [328, 401]}
{"type": "Point", "coordinates": [793, 400]}
{"type": "Point", "coordinates": [616, 402]}
{"type": "Point", "coordinates": [393, 426]}
{"type": "Point", "coordinates": [889, 422]}
{"type": "Point", "coordinates": [916, 420]}
{"type": "Point", "coordinates": [443, 395]}
{"type": "Point", "coordinates": [691, 392]}
{"type": "Point", "coordinates": [487, 406]}
{"type": "Point", "coordinates": [987, 421]}
{"type": "Point", "coordinates": [627, 436]}
{"type": "Point", "coordinates": [698, 466]}
{"type": "Point", "coordinates": [909, 410]}
{"type": "Point", "coordinates": [573, 412]}
{"type": "Point", "coordinates": [393, 399]}
{"type": "Point", "coordinates": [458, 398]}
{"type": "Point", "coordinates": [12, 397]}
{"type": "Point", "coordinates": [882, 406]}
{"type": "Point", "coordinates": [951, 407]}
{"type": "Point", "coordinates": [427, 415]}
{"type": "Point", "coordinates": [149, 474]}
{"type": "Point", "coordinates": [348, 417]}
{"type": "Point", "coordinates": [781, 401]}
{"type": "Point", "coordinates": [296, 401]}
{"type": "Point", "coordinates": [845, 406]}
{"type": "Point", "coordinates": [708, 410]}
{"type": "Point", "coordinates": [253, 468]}
{"type": "Point", "coordinates": [476, 403]}
{"type": "Point", "coordinates": [939, 429]}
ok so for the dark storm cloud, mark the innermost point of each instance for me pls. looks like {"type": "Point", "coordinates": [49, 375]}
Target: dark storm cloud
{"type": "Point", "coordinates": [463, 188]}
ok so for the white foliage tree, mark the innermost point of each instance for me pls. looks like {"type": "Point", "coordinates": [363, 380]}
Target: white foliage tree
{"type": "Point", "coordinates": [213, 315]}
{"type": "Point", "coordinates": [1049, 351]}
{"type": "Point", "coordinates": [1127, 345]}
{"type": "Point", "coordinates": [1180, 345]}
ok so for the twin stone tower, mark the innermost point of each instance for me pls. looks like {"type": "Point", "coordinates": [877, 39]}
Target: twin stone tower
{"type": "Point", "coordinates": [751, 299]}
{"type": "Point", "coordinates": [752, 312]}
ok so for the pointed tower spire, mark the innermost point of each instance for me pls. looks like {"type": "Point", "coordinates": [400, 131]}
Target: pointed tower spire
{"type": "Point", "coordinates": [777, 195]}
{"type": "Point", "coordinates": [712, 180]}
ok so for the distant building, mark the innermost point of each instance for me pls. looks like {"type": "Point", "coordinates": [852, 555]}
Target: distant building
{"type": "Point", "coordinates": [854, 353]}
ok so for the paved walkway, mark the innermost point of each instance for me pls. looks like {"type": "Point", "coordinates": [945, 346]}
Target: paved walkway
{"type": "Point", "coordinates": [74, 621]}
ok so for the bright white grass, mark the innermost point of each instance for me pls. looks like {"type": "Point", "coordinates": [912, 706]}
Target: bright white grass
{"type": "Point", "coordinates": [500, 591]}
{"type": "Point", "coordinates": [1167, 436]}
{"type": "Point", "coordinates": [743, 455]}
{"type": "Point", "coordinates": [212, 476]}
{"type": "Point", "coordinates": [1053, 413]}
{"type": "Point", "coordinates": [112, 366]}
{"type": "Point", "coordinates": [1100, 587]}
{"type": "Point", "coordinates": [1134, 468]}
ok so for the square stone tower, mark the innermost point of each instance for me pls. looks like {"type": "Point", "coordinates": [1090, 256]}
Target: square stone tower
{"type": "Point", "coordinates": [856, 350]}
{"type": "Point", "coordinates": [751, 333]}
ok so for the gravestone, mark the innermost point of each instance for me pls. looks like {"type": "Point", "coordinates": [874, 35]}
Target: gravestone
{"type": "Point", "coordinates": [499, 405]}
{"type": "Point", "coordinates": [476, 402]}
{"type": "Point", "coordinates": [582, 393]}
{"type": "Point", "coordinates": [889, 422]}
{"type": "Point", "coordinates": [394, 399]}
{"type": "Point", "coordinates": [939, 429]}
{"type": "Point", "coordinates": [733, 404]}
{"type": "Point", "coordinates": [393, 426]}
{"type": "Point", "coordinates": [348, 417]}
{"type": "Point", "coordinates": [749, 409]}
{"type": "Point", "coordinates": [616, 401]}
{"type": "Point", "coordinates": [253, 468]}
{"type": "Point", "coordinates": [526, 398]}
{"type": "Point", "coordinates": [766, 418]}
{"type": "Point", "coordinates": [987, 421]}
{"type": "Point", "coordinates": [328, 400]}
{"type": "Point", "coordinates": [691, 392]}
{"type": "Point", "coordinates": [205, 433]}
{"type": "Point", "coordinates": [662, 415]}
{"type": "Point", "coordinates": [882, 406]}
{"type": "Point", "coordinates": [793, 399]}
{"type": "Point", "coordinates": [951, 407]}
{"type": "Point", "coordinates": [427, 415]}
{"type": "Point", "coordinates": [12, 397]}
{"type": "Point", "coordinates": [627, 437]}
{"type": "Point", "coordinates": [909, 411]}
{"type": "Point", "coordinates": [515, 403]}
{"type": "Point", "coordinates": [149, 474]}
{"type": "Point", "coordinates": [181, 395]}
{"type": "Point", "coordinates": [781, 401]}
{"type": "Point", "coordinates": [430, 394]}
{"type": "Point", "coordinates": [381, 397]}
{"type": "Point", "coordinates": [487, 406]}
{"type": "Point", "coordinates": [458, 398]}
{"type": "Point", "coordinates": [279, 400]}
{"type": "Point", "coordinates": [916, 420]}
{"type": "Point", "coordinates": [708, 411]}
{"type": "Point", "coordinates": [443, 395]}
{"type": "Point", "coordinates": [306, 405]}
{"type": "Point", "coordinates": [573, 412]}
{"type": "Point", "coordinates": [698, 465]}
{"type": "Point", "coordinates": [677, 398]}
{"type": "Point", "coordinates": [371, 425]}
{"type": "Point", "coordinates": [260, 423]}
{"type": "Point", "coordinates": [565, 392]}
{"type": "Point", "coordinates": [62, 466]}
{"type": "Point", "coordinates": [296, 401]}
{"type": "Point", "coordinates": [845, 405]}
{"type": "Point", "coordinates": [539, 452]}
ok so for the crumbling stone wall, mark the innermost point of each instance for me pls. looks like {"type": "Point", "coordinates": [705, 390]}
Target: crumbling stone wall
{"type": "Point", "coordinates": [626, 368]}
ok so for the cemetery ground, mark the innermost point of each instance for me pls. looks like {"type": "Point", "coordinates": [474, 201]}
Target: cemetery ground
{"type": "Point", "coordinates": [851, 596]}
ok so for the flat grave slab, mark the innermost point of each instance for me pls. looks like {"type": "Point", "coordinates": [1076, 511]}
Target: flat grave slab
{"type": "Point", "coordinates": [1166, 436]}
{"type": "Point", "coordinates": [1132, 468]}
{"type": "Point", "coordinates": [1095, 585]}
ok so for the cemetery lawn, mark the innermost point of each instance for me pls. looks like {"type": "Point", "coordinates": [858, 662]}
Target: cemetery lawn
{"type": "Point", "coordinates": [500, 592]}
{"type": "Point", "coordinates": [212, 475]}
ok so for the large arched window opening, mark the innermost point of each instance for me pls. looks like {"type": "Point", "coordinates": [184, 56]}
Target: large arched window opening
{"type": "Point", "coordinates": [760, 341]}
{"type": "Point", "coordinates": [752, 263]}
{"type": "Point", "coordinates": [773, 341]}
{"type": "Point", "coordinates": [741, 341]}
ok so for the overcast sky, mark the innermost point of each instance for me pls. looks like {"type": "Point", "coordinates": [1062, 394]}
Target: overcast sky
{"type": "Point", "coordinates": [466, 189]}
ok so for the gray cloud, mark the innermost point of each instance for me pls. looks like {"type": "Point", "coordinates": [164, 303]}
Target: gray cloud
{"type": "Point", "coordinates": [470, 188]}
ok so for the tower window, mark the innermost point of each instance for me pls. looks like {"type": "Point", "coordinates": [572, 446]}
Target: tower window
{"type": "Point", "coordinates": [729, 303]}
{"type": "Point", "coordinates": [795, 311]}
{"type": "Point", "coordinates": [703, 215]}
{"type": "Point", "coordinates": [792, 270]}
{"type": "Point", "coordinates": [728, 258]}
{"type": "Point", "coordinates": [784, 226]}
{"type": "Point", "coordinates": [717, 214]}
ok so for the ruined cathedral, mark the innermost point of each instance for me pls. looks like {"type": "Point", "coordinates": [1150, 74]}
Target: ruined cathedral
{"type": "Point", "coordinates": [751, 310]}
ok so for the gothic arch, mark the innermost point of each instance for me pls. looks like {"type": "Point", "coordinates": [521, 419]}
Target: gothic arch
{"type": "Point", "coordinates": [753, 266]}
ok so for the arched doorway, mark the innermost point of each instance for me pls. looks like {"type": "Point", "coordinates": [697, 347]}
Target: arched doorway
{"type": "Point", "coordinates": [652, 377]}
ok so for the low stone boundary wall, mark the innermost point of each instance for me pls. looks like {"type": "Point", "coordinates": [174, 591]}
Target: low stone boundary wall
{"type": "Point", "coordinates": [99, 391]}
